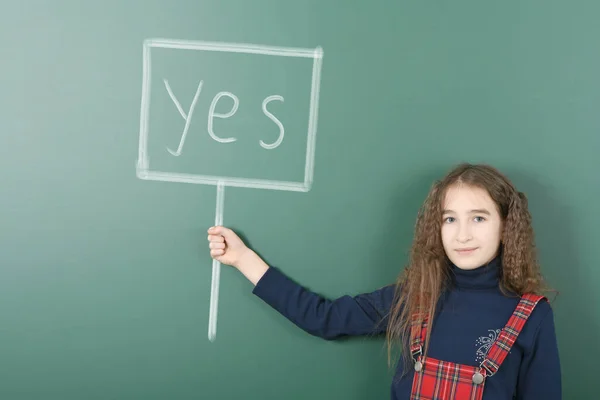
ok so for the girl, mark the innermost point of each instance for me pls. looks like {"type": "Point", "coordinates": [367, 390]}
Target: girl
{"type": "Point", "coordinates": [472, 270]}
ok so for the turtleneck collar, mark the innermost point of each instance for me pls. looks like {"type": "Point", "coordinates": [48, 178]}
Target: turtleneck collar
{"type": "Point", "coordinates": [483, 277]}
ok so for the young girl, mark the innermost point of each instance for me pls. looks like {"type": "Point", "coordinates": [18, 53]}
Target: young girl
{"type": "Point", "coordinates": [472, 270]}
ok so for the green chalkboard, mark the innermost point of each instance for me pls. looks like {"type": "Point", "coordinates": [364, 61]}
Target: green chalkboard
{"type": "Point", "coordinates": [312, 128]}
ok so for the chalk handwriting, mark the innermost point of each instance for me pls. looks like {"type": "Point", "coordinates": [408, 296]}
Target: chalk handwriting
{"type": "Point", "coordinates": [212, 114]}
{"type": "Point", "coordinates": [274, 119]}
{"type": "Point", "coordinates": [187, 117]}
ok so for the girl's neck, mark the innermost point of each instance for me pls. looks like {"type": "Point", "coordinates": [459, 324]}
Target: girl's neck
{"type": "Point", "coordinates": [484, 277]}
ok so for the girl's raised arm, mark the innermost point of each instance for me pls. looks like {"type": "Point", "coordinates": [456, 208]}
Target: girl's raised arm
{"type": "Point", "coordinates": [363, 314]}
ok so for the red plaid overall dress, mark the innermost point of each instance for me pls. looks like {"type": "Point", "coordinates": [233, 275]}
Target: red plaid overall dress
{"type": "Point", "coordinates": [442, 380]}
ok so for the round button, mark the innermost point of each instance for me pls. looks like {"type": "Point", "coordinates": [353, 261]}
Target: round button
{"type": "Point", "coordinates": [477, 378]}
{"type": "Point", "coordinates": [418, 366]}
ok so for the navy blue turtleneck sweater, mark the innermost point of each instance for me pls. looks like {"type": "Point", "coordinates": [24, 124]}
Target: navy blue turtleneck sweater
{"type": "Point", "coordinates": [470, 315]}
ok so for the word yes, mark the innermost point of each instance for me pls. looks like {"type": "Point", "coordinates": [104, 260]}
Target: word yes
{"type": "Point", "coordinates": [211, 115]}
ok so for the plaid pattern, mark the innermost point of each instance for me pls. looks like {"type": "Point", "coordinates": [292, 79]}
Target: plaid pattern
{"type": "Point", "coordinates": [507, 337]}
{"type": "Point", "coordinates": [442, 380]}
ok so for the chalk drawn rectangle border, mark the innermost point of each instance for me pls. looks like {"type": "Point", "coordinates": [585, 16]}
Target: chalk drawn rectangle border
{"type": "Point", "coordinates": [143, 164]}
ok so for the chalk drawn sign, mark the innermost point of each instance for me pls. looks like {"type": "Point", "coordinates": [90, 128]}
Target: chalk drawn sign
{"type": "Point", "coordinates": [228, 114]}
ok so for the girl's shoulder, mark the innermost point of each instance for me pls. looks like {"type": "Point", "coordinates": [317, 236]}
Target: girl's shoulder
{"type": "Point", "coordinates": [539, 322]}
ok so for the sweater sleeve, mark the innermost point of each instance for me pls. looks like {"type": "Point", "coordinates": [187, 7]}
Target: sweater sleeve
{"type": "Point", "coordinates": [540, 374]}
{"type": "Point", "coordinates": [363, 314]}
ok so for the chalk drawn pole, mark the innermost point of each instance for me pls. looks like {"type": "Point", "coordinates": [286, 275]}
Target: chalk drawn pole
{"type": "Point", "coordinates": [216, 269]}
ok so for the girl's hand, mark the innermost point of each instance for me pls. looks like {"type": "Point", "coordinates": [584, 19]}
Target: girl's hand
{"type": "Point", "coordinates": [225, 246]}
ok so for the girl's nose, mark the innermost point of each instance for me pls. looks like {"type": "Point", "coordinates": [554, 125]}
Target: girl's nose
{"type": "Point", "coordinates": [464, 233]}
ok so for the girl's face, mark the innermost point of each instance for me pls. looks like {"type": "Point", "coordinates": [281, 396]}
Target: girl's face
{"type": "Point", "coordinates": [471, 226]}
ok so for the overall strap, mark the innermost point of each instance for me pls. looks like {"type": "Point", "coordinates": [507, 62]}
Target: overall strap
{"type": "Point", "coordinates": [508, 336]}
{"type": "Point", "coordinates": [418, 330]}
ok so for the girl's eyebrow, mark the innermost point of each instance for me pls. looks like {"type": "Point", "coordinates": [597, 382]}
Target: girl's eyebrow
{"type": "Point", "coordinates": [475, 211]}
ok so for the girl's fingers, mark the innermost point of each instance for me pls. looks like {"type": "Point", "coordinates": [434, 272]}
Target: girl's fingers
{"type": "Point", "coordinates": [217, 253]}
{"type": "Point", "coordinates": [226, 233]}
{"type": "Point", "coordinates": [216, 245]}
{"type": "Point", "coordinates": [216, 238]}
{"type": "Point", "coordinates": [219, 230]}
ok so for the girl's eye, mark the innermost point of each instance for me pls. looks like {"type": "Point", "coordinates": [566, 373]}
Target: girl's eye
{"type": "Point", "coordinates": [480, 219]}
{"type": "Point", "coordinates": [449, 219]}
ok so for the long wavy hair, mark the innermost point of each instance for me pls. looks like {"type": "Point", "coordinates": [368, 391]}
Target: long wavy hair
{"type": "Point", "coordinates": [427, 275]}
